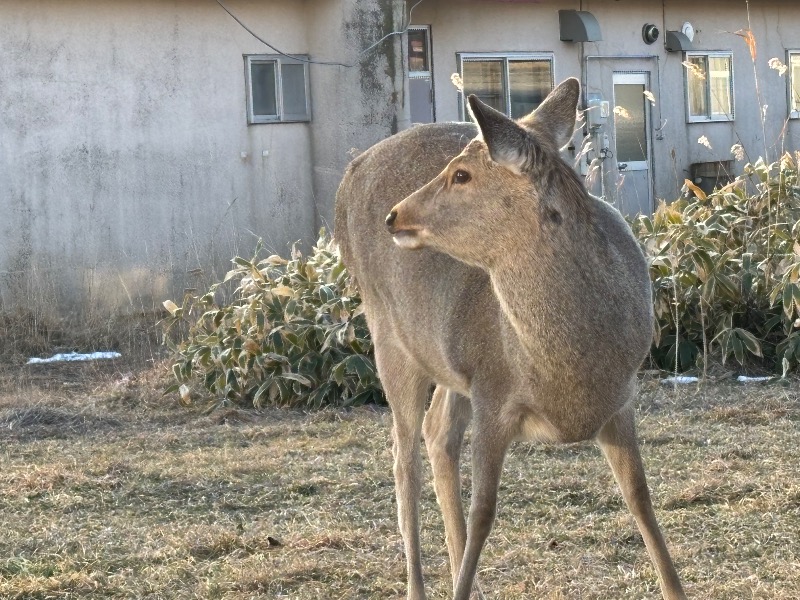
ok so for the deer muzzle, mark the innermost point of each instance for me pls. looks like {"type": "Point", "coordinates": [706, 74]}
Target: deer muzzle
{"type": "Point", "coordinates": [405, 236]}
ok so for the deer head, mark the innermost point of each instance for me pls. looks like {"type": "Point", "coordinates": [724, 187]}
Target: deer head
{"type": "Point", "coordinates": [508, 185]}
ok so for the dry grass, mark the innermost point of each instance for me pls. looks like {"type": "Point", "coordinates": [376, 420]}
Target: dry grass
{"type": "Point", "coordinates": [39, 331]}
{"type": "Point", "coordinates": [108, 491]}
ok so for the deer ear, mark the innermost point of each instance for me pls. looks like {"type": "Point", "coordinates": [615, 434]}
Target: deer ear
{"type": "Point", "coordinates": [508, 143]}
{"type": "Point", "coordinates": [557, 113]}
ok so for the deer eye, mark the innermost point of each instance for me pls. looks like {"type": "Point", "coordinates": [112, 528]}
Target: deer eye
{"type": "Point", "coordinates": [461, 176]}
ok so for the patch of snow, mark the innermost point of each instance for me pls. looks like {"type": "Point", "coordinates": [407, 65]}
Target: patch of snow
{"type": "Point", "coordinates": [74, 356]}
{"type": "Point", "coordinates": [689, 379]}
{"type": "Point", "coordinates": [680, 379]}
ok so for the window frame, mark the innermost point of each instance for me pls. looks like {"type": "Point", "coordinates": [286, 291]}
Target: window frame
{"type": "Point", "coordinates": [709, 118]}
{"type": "Point", "coordinates": [506, 57]}
{"type": "Point", "coordinates": [279, 61]}
{"type": "Point", "coordinates": [426, 29]}
{"type": "Point", "coordinates": [794, 112]}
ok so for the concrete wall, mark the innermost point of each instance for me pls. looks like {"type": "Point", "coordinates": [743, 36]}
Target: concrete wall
{"type": "Point", "coordinates": [122, 132]}
{"type": "Point", "coordinates": [123, 123]}
{"type": "Point", "coordinates": [359, 105]}
{"type": "Point", "coordinates": [485, 26]}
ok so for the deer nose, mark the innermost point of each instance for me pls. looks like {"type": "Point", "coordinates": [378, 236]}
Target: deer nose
{"type": "Point", "coordinates": [390, 219]}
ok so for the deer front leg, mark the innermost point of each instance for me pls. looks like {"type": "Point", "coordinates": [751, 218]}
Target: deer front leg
{"type": "Point", "coordinates": [617, 440]}
{"type": "Point", "coordinates": [489, 446]}
{"type": "Point", "coordinates": [443, 430]}
{"type": "Point", "coordinates": [406, 391]}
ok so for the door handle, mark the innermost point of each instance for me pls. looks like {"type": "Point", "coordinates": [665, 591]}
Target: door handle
{"type": "Point", "coordinates": [622, 166]}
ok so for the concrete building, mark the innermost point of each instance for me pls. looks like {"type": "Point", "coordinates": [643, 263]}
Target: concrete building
{"type": "Point", "coordinates": [144, 143]}
{"type": "Point", "coordinates": [657, 75]}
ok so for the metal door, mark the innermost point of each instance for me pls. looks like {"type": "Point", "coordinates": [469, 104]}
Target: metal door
{"type": "Point", "coordinates": [633, 189]}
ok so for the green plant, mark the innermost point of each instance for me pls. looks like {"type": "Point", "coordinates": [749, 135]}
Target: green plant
{"type": "Point", "coordinates": [292, 334]}
{"type": "Point", "coordinates": [725, 269]}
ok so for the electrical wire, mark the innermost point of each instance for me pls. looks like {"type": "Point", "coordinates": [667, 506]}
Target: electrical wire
{"type": "Point", "coordinates": [273, 48]}
{"type": "Point", "coordinates": [320, 62]}
{"type": "Point", "coordinates": [401, 32]}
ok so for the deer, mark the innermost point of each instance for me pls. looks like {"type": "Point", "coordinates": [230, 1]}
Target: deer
{"type": "Point", "coordinates": [492, 274]}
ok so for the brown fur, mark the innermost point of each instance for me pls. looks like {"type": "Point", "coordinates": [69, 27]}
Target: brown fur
{"type": "Point", "coordinates": [525, 300]}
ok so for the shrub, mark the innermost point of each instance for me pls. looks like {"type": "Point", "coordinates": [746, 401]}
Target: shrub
{"type": "Point", "coordinates": [725, 269]}
{"type": "Point", "coordinates": [292, 334]}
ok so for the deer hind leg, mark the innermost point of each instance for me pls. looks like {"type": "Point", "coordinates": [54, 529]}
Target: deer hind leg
{"type": "Point", "coordinates": [443, 430]}
{"type": "Point", "coordinates": [617, 440]}
{"type": "Point", "coordinates": [406, 391]}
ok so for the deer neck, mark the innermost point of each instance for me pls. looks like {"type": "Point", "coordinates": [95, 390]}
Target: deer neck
{"type": "Point", "coordinates": [532, 295]}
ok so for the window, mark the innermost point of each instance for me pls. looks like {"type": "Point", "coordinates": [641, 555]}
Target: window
{"type": "Point", "coordinates": [709, 86]}
{"type": "Point", "coordinates": [514, 83]}
{"type": "Point", "coordinates": [419, 60]}
{"type": "Point", "coordinates": [277, 89]}
{"type": "Point", "coordinates": [420, 74]}
{"type": "Point", "coordinates": [794, 84]}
